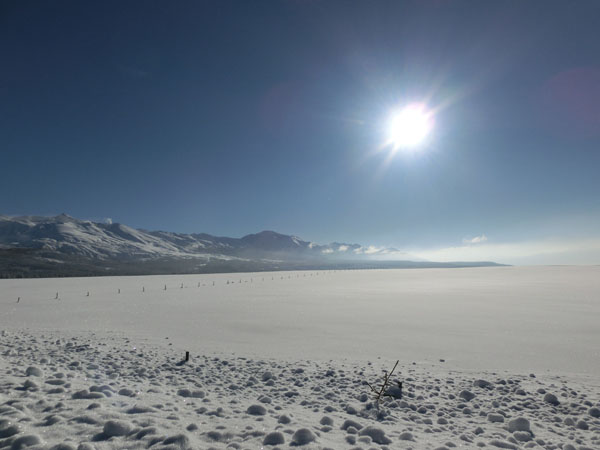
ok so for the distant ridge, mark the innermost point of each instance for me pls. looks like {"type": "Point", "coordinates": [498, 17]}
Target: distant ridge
{"type": "Point", "coordinates": [37, 246]}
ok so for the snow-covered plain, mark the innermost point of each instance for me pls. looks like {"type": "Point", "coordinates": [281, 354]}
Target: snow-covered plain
{"type": "Point", "coordinates": [280, 359]}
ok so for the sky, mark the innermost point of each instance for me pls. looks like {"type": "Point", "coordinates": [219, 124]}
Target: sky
{"type": "Point", "coordinates": [231, 117]}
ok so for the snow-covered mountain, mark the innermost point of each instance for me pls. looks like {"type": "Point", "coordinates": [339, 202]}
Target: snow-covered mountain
{"type": "Point", "coordinates": [63, 245]}
{"type": "Point", "coordinates": [68, 235]}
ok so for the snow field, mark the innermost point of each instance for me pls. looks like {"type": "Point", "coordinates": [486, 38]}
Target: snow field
{"type": "Point", "coordinates": [110, 392]}
{"type": "Point", "coordinates": [489, 357]}
{"type": "Point", "coordinates": [509, 318]}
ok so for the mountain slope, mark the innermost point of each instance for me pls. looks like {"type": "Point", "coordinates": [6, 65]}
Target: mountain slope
{"type": "Point", "coordinates": [68, 235]}
{"type": "Point", "coordinates": [63, 245]}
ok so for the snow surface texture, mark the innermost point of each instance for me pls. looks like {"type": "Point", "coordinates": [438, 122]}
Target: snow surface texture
{"type": "Point", "coordinates": [505, 318]}
{"type": "Point", "coordinates": [284, 362]}
{"type": "Point", "coordinates": [112, 392]}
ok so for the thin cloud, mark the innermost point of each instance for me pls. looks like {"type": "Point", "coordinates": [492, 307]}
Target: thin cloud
{"type": "Point", "coordinates": [475, 240]}
{"type": "Point", "coordinates": [551, 251]}
{"type": "Point", "coordinates": [370, 250]}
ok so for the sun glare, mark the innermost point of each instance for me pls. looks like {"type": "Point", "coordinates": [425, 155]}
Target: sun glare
{"type": "Point", "coordinates": [409, 127]}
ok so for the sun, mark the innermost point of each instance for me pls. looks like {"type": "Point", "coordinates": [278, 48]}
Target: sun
{"type": "Point", "coordinates": [409, 127]}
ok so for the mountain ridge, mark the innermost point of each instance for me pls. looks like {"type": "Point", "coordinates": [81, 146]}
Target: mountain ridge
{"type": "Point", "coordinates": [63, 245]}
{"type": "Point", "coordinates": [98, 239]}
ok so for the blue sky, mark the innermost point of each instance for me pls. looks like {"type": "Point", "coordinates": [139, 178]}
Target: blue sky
{"type": "Point", "coordinates": [234, 117]}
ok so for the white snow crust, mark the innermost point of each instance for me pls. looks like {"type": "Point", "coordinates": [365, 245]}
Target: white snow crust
{"type": "Point", "coordinates": [489, 357]}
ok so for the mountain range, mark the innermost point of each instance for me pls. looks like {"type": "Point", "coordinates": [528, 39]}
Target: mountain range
{"type": "Point", "coordinates": [38, 246]}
